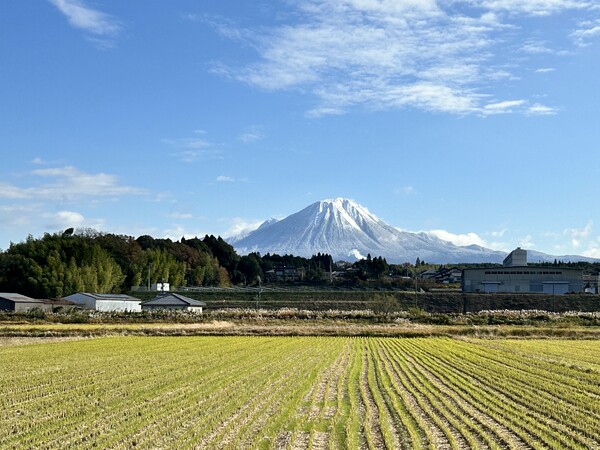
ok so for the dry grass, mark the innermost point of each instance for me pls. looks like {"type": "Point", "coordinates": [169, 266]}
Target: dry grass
{"type": "Point", "coordinates": [251, 327]}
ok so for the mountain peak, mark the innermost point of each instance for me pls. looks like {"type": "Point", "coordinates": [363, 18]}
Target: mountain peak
{"type": "Point", "coordinates": [348, 231]}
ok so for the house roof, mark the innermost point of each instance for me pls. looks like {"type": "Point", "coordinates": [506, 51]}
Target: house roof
{"type": "Point", "coordinates": [18, 298]}
{"type": "Point", "coordinates": [59, 302]}
{"type": "Point", "coordinates": [120, 297]}
{"type": "Point", "coordinates": [173, 299]}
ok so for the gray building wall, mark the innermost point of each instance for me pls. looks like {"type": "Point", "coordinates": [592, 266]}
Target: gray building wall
{"type": "Point", "coordinates": [91, 302]}
{"type": "Point", "coordinates": [518, 257]}
{"type": "Point", "coordinates": [546, 280]}
{"type": "Point", "coordinates": [20, 303]}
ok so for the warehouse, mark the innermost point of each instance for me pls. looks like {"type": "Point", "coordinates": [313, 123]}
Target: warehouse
{"type": "Point", "coordinates": [516, 276]}
{"type": "Point", "coordinates": [105, 302]}
{"type": "Point", "coordinates": [11, 301]}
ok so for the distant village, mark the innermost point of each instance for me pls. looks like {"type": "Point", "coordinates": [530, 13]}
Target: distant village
{"type": "Point", "coordinates": [515, 275]}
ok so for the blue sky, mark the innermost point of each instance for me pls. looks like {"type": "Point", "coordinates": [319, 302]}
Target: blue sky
{"type": "Point", "coordinates": [475, 119]}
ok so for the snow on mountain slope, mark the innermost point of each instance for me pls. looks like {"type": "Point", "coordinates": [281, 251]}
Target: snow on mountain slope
{"type": "Point", "coordinates": [348, 231]}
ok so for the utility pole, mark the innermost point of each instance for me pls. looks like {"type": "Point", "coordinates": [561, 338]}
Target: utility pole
{"type": "Point", "coordinates": [149, 269]}
{"type": "Point", "coordinates": [258, 296]}
{"type": "Point", "coordinates": [416, 288]}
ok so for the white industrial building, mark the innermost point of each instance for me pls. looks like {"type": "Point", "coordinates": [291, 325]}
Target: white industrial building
{"type": "Point", "coordinates": [106, 302]}
{"type": "Point", "coordinates": [516, 276]}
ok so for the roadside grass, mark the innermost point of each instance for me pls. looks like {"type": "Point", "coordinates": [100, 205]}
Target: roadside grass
{"type": "Point", "coordinates": [293, 328]}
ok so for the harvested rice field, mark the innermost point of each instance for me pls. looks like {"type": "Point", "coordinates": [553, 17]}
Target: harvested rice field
{"type": "Point", "coordinates": [299, 393]}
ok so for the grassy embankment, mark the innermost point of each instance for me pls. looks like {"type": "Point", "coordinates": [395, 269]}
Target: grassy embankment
{"type": "Point", "coordinates": [323, 299]}
{"type": "Point", "coordinates": [292, 322]}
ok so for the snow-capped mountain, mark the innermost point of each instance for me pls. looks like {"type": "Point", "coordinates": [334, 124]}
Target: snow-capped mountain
{"type": "Point", "coordinates": [348, 231]}
{"type": "Point", "coordinates": [538, 257]}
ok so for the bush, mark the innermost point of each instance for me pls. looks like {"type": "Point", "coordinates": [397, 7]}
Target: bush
{"type": "Point", "coordinates": [385, 304]}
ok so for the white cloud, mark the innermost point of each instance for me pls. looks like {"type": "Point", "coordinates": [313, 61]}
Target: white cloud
{"type": "Point", "coordinates": [533, 7]}
{"type": "Point", "coordinates": [405, 190]}
{"type": "Point", "coordinates": [545, 70]}
{"type": "Point", "coordinates": [64, 219]}
{"type": "Point", "coordinates": [584, 232]}
{"type": "Point", "coordinates": [252, 134]}
{"type": "Point", "coordinates": [102, 27]}
{"type": "Point", "coordinates": [593, 251]}
{"type": "Point", "coordinates": [538, 109]}
{"type": "Point", "coordinates": [356, 254]}
{"type": "Point", "coordinates": [526, 242]}
{"type": "Point", "coordinates": [499, 233]}
{"type": "Point", "coordinates": [66, 184]}
{"type": "Point", "coordinates": [577, 235]}
{"type": "Point", "coordinates": [240, 226]}
{"type": "Point", "coordinates": [496, 241]}
{"type": "Point", "coordinates": [536, 47]}
{"type": "Point", "coordinates": [176, 232]}
{"type": "Point", "coordinates": [459, 239]}
{"type": "Point", "coordinates": [587, 30]}
{"type": "Point", "coordinates": [504, 107]}
{"type": "Point", "coordinates": [427, 55]}
{"type": "Point", "coordinates": [83, 17]}
{"type": "Point", "coordinates": [224, 178]}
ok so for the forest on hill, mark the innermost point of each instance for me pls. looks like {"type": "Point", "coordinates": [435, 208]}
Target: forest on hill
{"type": "Point", "coordinates": [60, 264]}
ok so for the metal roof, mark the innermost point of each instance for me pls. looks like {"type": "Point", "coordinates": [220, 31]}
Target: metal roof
{"type": "Point", "coordinates": [122, 297]}
{"type": "Point", "coordinates": [173, 300]}
{"type": "Point", "coordinates": [18, 298]}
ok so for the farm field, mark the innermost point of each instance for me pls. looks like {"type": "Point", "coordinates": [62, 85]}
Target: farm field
{"type": "Point", "coordinates": [299, 392]}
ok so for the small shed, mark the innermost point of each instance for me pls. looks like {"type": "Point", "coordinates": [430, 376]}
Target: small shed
{"type": "Point", "coordinates": [19, 303]}
{"type": "Point", "coordinates": [173, 301]}
{"type": "Point", "coordinates": [105, 302]}
{"type": "Point", "coordinates": [60, 305]}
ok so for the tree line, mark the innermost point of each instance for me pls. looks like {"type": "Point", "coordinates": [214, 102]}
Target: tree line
{"type": "Point", "coordinates": [85, 260]}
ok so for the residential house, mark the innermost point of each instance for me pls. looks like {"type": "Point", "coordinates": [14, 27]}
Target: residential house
{"type": "Point", "coordinates": [173, 301]}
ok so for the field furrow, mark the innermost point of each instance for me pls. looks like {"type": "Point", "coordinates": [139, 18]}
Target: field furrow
{"type": "Point", "coordinates": [297, 393]}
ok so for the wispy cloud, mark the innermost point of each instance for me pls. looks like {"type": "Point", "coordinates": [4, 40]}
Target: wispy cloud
{"type": "Point", "coordinates": [577, 235]}
{"type": "Point", "coordinates": [545, 70]}
{"type": "Point", "coordinates": [180, 216]}
{"type": "Point", "coordinates": [533, 7]}
{"type": "Point", "coordinates": [230, 179]}
{"type": "Point", "coordinates": [504, 107]}
{"type": "Point", "coordinates": [101, 27]}
{"type": "Point", "coordinates": [434, 56]}
{"type": "Point", "coordinates": [251, 134]}
{"type": "Point", "coordinates": [538, 109]}
{"type": "Point", "coordinates": [536, 47]}
{"type": "Point", "coordinates": [66, 184]}
{"type": "Point", "coordinates": [196, 148]}
{"type": "Point", "coordinates": [405, 190]}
